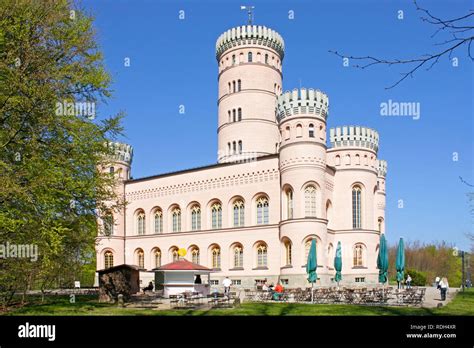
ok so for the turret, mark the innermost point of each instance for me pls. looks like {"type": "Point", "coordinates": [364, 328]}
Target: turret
{"type": "Point", "coordinates": [121, 160]}
{"type": "Point", "coordinates": [250, 77]}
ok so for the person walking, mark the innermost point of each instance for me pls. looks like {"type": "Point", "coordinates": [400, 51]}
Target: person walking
{"type": "Point", "coordinates": [443, 286]}
{"type": "Point", "coordinates": [408, 282]}
{"type": "Point", "coordinates": [227, 283]}
{"type": "Point", "coordinates": [437, 282]}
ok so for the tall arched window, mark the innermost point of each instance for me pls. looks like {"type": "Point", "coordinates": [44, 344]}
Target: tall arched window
{"type": "Point", "coordinates": [266, 59]}
{"type": "Point", "coordinates": [157, 255]}
{"type": "Point", "coordinates": [239, 208]}
{"type": "Point", "coordinates": [250, 57]}
{"type": "Point", "coordinates": [195, 218]}
{"type": "Point", "coordinates": [311, 130]}
{"type": "Point", "coordinates": [307, 246]}
{"type": "Point", "coordinates": [233, 86]}
{"type": "Point", "coordinates": [108, 259]}
{"type": "Point", "coordinates": [299, 130]}
{"type": "Point", "coordinates": [176, 217]}
{"type": "Point", "coordinates": [239, 114]}
{"type": "Point", "coordinates": [230, 117]}
{"type": "Point", "coordinates": [216, 257]}
{"type": "Point", "coordinates": [380, 224]}
{"type": "Point", "coordinates": [233, 116]}
{"type": "Point", "coordinates": [288, 253]}
{"type": "Point", "coordinates": [289, 203]}
{"type": "Point", "coordinates": [239, 85]}
{"type": "Point", "coordinates": [358, 255]}
{"type": "Point", "coordinates": [261, 255]}
{"type": "Point", "coordinates": [108, 221]}
{"type": "Point", "coordinates": [262, 211]}
{"type": "Point", "coordinates": [216, 215]}
{"type": "Point", "coordinates": [356, 207]}
{"type": "Point", "coordinates": [238, 256]}
{"type": "Point", "coordinates": [158, 221]}
{"type": "Point", "coordinates": [240, 146]}
{"type": "Point", "coordinates": [195, 255]}
{"type": "Point", "coordinates": [234, 147]}
{"type": "Point", "coordinates": [141, 223]}
{"type": "Point", "coordinates": [230, 89]}
{"type": "Point", "coordinates": [233, 59]}
{"type": "Point", "coordinates": [310, 201]}
{"type": "Point", "coordinates": [140, 259]}
{"type": "Point", "coordinates": [174, 254]}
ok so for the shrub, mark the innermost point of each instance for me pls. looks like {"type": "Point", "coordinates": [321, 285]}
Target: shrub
{"type": "Point", "coordinates": [418, 278]}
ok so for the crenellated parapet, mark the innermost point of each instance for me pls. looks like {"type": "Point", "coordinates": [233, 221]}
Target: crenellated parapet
{"type": "Point", "coordinates": [354, 136]}
{"type": "Point", "coordinates": [302, 102]}
{"type": "Point", "coordinates": [250, 35]}
{"type": "Point", "coordinates": [381, 168]}
{"type": "Point", "coordinates": [122, 152]}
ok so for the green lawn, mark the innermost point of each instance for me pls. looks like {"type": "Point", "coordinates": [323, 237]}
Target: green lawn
{"type": "Point", "coordinates": [462, 304]}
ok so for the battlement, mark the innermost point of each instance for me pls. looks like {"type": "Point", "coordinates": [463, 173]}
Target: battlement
{"type": "Point", "coordinates": [122, 152]}
{"type": "Point", "coordinates": [381, 168]}
{"type": "Point", "coordinates": [302, 101]}
{"type": "Point", "coordinates": [354, 136]}
{"type": "Point", "coordinates": [250, 34]}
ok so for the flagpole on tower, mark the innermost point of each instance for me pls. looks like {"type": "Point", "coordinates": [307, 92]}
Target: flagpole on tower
{"type": "Point", "coordinates": [249, 12]}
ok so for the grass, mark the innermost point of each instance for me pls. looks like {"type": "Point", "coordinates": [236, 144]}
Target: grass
{"type": "Point", "coordinates": [462, 304]}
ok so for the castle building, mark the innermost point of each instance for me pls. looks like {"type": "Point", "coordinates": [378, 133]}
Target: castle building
{"type": "Point", "coordinates": [276, 185]}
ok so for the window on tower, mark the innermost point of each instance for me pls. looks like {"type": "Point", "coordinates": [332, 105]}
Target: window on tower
{"type": "Point", "coordinates": [233, 115]}
{"type": "Point", "coordinates": [266, 59]}
{"type": "Point", "coordinates": [233, 59]}
{"type": "Point", "coordinates": [240, 146]}
{"type": "Point", "coordinates": [239, 85]}
{"type": "Point", "coordinates": [356, 207]}
{"type": "Point", "coordinates": [234, 147]}
{"type": "Point", "coordinates": [239, 114]}
{"type": "Point", "coordinates": [311, 130]}
{"type": "Point", "coordinates": [233, 86]}
{"type": "Point", "coordinates": [250, 57]}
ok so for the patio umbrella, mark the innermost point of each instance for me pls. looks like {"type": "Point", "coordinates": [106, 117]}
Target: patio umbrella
{"type": "Point", "coordinates": [382, 259]}
{"type": "Point", "coordinates": [338, 264]}
{"type": "Point", "coordinates": [311, 266]}
{"type": "Point", "coordinates": [400, 262]}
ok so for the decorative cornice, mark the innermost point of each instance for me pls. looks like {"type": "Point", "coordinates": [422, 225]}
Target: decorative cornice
{"type": "Point", "coordinates": [247, 35]}
{"type": "Point", "coordinates": [354, 136]}
{"type": "Point", "coordinates": [302, 102]}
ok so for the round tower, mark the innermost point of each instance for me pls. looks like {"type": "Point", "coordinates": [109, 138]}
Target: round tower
{"type": "Point", "coordinates": [302, 115]}
{"type": "Point", "coordinates": [120, 160]}
{"type": "Point", "coordinates": [250, 77]}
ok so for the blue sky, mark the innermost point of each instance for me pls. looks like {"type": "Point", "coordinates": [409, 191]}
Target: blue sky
{"type": "Point", "coordinates": [172, 62]}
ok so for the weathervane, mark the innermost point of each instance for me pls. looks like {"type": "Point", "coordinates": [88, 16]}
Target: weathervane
{"type": "Point", "coordinates": [249, 12]}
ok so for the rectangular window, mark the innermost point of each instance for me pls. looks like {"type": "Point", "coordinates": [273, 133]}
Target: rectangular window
{"type": "Point", "coordinates": [236, 282]}
{"type": "Point", "coordinates": [360, 280]}
{"type": "Point", "coordinates": [284, 281]}
{"type": "Point", "coordinates": [214, 282]}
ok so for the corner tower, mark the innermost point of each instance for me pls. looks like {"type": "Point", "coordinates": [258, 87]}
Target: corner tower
{"type": "Point", "coordinates": [250, 77]}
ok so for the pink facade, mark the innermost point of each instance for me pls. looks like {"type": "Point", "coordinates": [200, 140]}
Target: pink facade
{"type": "Point", "coordinates": [276, 185]}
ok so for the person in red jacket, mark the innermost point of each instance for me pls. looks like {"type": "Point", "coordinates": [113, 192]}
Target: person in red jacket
{"type": "Point", "coordinates": [278, 291]}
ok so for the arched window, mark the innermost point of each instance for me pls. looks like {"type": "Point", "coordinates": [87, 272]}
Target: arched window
{"type": "Point", "coordinates": [357, 159]}
{"type": "Point", "coordinates": [239, 208]}
{"type": "Point", "coordinates": [233, 86]}
{"type": "Point", "coordinates": [266, 59]}
{"type": "Point", "coordinates": [195, 255]}
{"type": "Point", "coordinates": [287, 133]}
{"type": "Point", "coordinates": [157, 256]}
{"type": "Point", "coordinates": [311, 130]}
{"type": "Point", "coordinates": [108, 221]}
{"type": "Point", "coordinates": [307, 246]}
{"type": "Point", "coordinates": [380, 224]}
{"type": "Point", "coordinates": [195, 218]}
{"type": "Point", "coordinates": [174, 254]}
{"type": "Point", "coordinates": [289, 203]}
{"type": "Point", "coordinates": [240, 146]}
{"type": "Point", "coordinates": [140, 259]}
{"type": "Point", "coordinates": [111, 170]}
{"type": "Point", "coordinates": [216, 215]}
{"type": "Point", "coordinates": [233, 59]}
{"type": "Point", "coordinates": [338, 160]}
{"type": "Point", "coordinates": [238, 256]}
{"type": "Point", "coordinates": [230, 90]}
{"type": "Point", "coordinates": [250, 57]}
{"type": "Point", "coordinates": [230, 117]}
{"type": "Point", "coordinates": [228, 148]}
{"type": "Point", "coordinates": [108, 259]}
{"type": "Point", "coordinates": [239, 114]}
{"type": "Point", "coordinates": [141, 223]}
{"type": "Point", "coordinates": [262, 211]}
{"type": "Point", "coordinates": [216, 257]}
{"type": "Point", "coordinates": [261, 255]}
{"type": "Point", "coordinates": [288, 253]}
{"type": "Point", "coordinates": [233, 116]}
{"type": "Point", "coordinates": [358, 255]}
{"type": "Point", "coordinates": [158, 221]}
{"type": "Point", "coordinates": [299, 130]}
{"type": "Point", "coordinates": [356, 207]}
{"type": "Point", "coordinates": [239, 85]}
{"type": "Point", "coordinates": [176, 217]}
{"type": "Point", "coordinates": [310, 201]}
{"type": "Point", "coordinates": [234, 147]}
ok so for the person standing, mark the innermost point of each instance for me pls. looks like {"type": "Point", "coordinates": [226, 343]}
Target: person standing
{"type": "Point", "coordinates": [227, 283]}
{"type": "Point", "coordinates": [443, 286]}
{"type": "Point", "coordinates": [437, 282]}
{"type": "Point", "coordinates": [408, 282]}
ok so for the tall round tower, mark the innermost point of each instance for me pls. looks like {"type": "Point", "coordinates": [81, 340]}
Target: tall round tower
{"type": "Point", "coordinates": [302, 121]}
{"type": "Point", "coordinates": [250, 77]}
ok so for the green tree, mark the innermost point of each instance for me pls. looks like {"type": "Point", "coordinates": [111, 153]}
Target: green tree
{"type": "Point", "coordinates": [51, 190]}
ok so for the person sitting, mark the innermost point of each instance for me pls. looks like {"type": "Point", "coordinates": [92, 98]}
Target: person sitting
{"type": "Point", "coordinates": [149, 287]}
{"type": "Point", "coordinates": [265, 287]}
{"type": "Point", "coordinates": [278, 292]}
{"type": "Point", "coordinates": [270, 288]}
